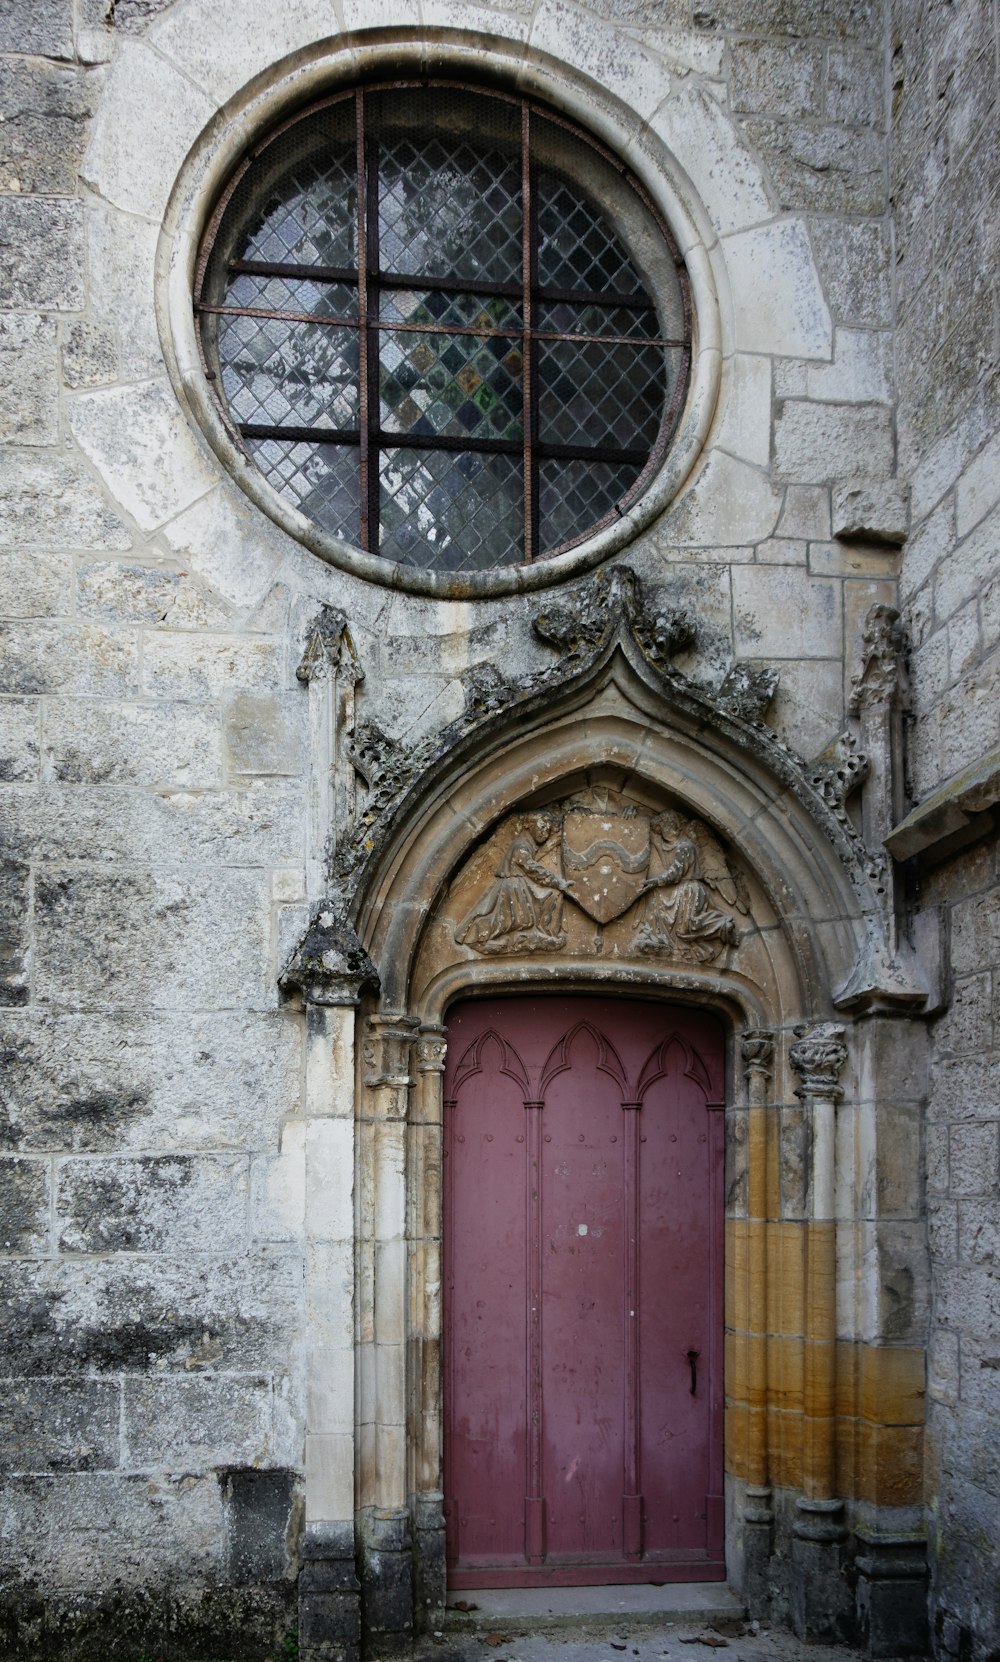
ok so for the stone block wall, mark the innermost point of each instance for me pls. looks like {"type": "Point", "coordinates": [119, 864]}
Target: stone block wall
{"type": "Point", "coordinates": [175, 1235]}
{"type": "Point", "coordinates": [945, 168]}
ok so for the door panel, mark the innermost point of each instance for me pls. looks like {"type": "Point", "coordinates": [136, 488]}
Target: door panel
{"type": "Point", "coordinates": [582, 1292]}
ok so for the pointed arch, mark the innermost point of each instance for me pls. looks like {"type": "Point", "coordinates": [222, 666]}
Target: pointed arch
{"type": "Point", "coordinates": [657, 1066]}
{"type": "Point", "coordinates": [471, 1062]}
{"type": "Point", "coordinates": [560, 1058]}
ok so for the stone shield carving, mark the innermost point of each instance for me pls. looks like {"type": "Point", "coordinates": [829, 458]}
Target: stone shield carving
{"type": "Point", "coordinates": [605, 858]}
{"type": "Point", "coordinates": [664, 875]}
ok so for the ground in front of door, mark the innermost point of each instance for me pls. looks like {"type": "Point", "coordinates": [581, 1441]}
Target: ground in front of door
{"type": "Point", "coordinates": [729, 1639]}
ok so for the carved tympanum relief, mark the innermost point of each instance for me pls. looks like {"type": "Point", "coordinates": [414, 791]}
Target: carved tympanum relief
{"type": "Point", "coordinates": [599, 857]}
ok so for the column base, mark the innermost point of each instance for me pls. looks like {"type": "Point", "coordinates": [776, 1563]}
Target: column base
{"type": "Point", "coordinates": [891, 1594]}
{"type": "Point", "coordinates": [429, 1577]}
{"type": "Point", "coordinates": [386, 1581]}
{"type": "Point", "coordinates": [758, 1551]}
{"type": "Point", "coordinates": [822, 1605]}
{"type": "Point", "coordinates": [329, 1596]}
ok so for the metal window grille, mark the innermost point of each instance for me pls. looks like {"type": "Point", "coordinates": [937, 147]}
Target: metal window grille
{"type": "Point", "coordinates": [445, 323]}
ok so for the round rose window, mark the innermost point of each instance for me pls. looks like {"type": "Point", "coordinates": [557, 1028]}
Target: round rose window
{"type": "Point", "coordinates": [445, 324]}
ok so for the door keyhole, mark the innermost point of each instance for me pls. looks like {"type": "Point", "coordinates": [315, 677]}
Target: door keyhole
{"type": "Point", "coordinates": [693, 1356]}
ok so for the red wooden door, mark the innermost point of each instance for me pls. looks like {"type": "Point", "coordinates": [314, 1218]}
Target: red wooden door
{"type": "Point", "coordinates": [583, 1292]}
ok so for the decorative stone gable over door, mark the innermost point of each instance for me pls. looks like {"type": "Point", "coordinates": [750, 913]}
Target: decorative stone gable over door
{"type": "Point", "coordinates": [611, 826]}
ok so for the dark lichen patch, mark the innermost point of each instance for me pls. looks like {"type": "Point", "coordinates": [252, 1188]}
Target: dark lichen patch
{"type": "Point", "coordinates": [121, 1205]}
{"type": "Point", "coordinates": [60, 1425]}
{"type": "Point", "coordinates": [60, 1319]}
{"type": "Point", "coordinates": [24, 1205]}
{"type": "Point", "coordinates": [15, 880]}
{"type": "Point", "coordinates": [75, 767]}
{"type": "Point", "coordinates": [53, 1095]}
{"type": "Point", "coordinates": [261, 1510]}
{"type": "Point", "coordinates": [228, 1624]}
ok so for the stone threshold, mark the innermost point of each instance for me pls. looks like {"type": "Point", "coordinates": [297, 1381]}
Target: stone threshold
{"type": "Point", "coordinates": [532, 1608]}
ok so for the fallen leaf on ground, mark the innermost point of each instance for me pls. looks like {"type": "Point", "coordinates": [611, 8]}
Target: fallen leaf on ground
{"type": "Point", "coordinates": [495, 1639]}
{"type": "Point", "coordinates": [616, 1646]}
{"type": "Point", "coordinates": [463, 1604]}
{"type": "Point", "coordinates": [713, 1640]}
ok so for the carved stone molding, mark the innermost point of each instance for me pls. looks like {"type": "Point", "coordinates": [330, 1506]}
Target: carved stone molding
{"type": "Point", "coordinates": [329, 966]}
{"type": "Point", "coordinates": [593, 624]}
{"type": "Point", "coordinates": [588, 615]}
{"type": "Point", "coordinates": [583, 627]}
{"type": "Point", "coordinates": [818, 1057]}
{"type": "Point", "coordinates": [387, 1049]}
{"type": "Point", "coordinates": [431, 1053]}
{"type": "Point", "coordinates": [839, 772]}
{"type": "Point", "coordinates": [665, 874]}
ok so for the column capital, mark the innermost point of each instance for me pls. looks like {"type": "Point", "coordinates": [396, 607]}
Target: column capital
{"type": "Point", "coordinates": [818, 1057]}
{"type": "Point", "coordinates": [757, 1049]}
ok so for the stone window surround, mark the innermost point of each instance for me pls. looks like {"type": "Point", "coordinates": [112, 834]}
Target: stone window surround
{"type": "Point", "coordinates": [211, 161]}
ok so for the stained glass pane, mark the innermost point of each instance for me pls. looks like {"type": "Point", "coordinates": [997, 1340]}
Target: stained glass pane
{"type": "Point", "coordinates": [448, 512]}
{"type": "Point", "coordinates": [450, 384]}
{"type": "Point", "coordinates": [463, 311]}
{"type": "Point", "coordinates": [578, 247]}
{"type": "Point", "coordinates": [322, 480]}
{"type": "Point", "coordinates": [590, 393]}
{"type": "Point", "coordinates": [574, 496]}
{"type": "Point", "coordinates": [310, 214]}
{"type": "Point", "coordinates": [290, 294]}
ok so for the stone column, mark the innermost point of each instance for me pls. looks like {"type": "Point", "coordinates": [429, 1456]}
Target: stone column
{"type": "Point", "coordinates": [384, 1516]}
{"type": "Point", "coordinates": [822, 1607]}
{"type": "Point", "coordinates": [757, 1049]}
{"type": "Point", "coordinates": [329, 971]}
{"type": "Point", "coordinates": [424, 1419]}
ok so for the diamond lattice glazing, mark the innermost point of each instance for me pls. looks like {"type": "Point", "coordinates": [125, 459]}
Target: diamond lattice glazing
{"type": "Point", "coordinates": [280, 374]}
{"type": "Point", "coordinates": [451, 513]}
{"type": "Point", "coordinates": [322, 480]}
{"type": "Point", "coordinates": [309, 217]}
{"type": "Point", "coordinates": [574, 496]}
{"type": "Point", "coordinates": [577, 247]}
{"type": "Point", "coordinates": [490, 213]}
{"type": "Point", "coordinates": [594, 394]}
{"type": "Point", "coordinates": [449, 210]}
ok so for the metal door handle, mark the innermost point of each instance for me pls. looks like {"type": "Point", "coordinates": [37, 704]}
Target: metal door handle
{"type": "Point", "coordinates": [693, 1356]}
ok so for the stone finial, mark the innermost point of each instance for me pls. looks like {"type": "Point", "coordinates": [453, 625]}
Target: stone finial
{"type": "Point", "coordinates": [329, 965]}
{"type": "Point", "coordinates": [329, 648]}
{"type": "Point", "coordinates": [747, 690]}
{"type": "Point", "coordinates": [614, 599]}
{"type": "Point", "coordinates": [757, 1047]}
{"type": "Point", "coordinates": [881, 679]}
{"type": "Point", "coordinates": [818, 1057]}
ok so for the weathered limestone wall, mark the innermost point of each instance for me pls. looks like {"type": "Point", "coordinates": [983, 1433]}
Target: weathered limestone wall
{"type": "Point", "coordinates": [945, 180]}
{"type": "Point", "coordinates": [178, 1183]}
